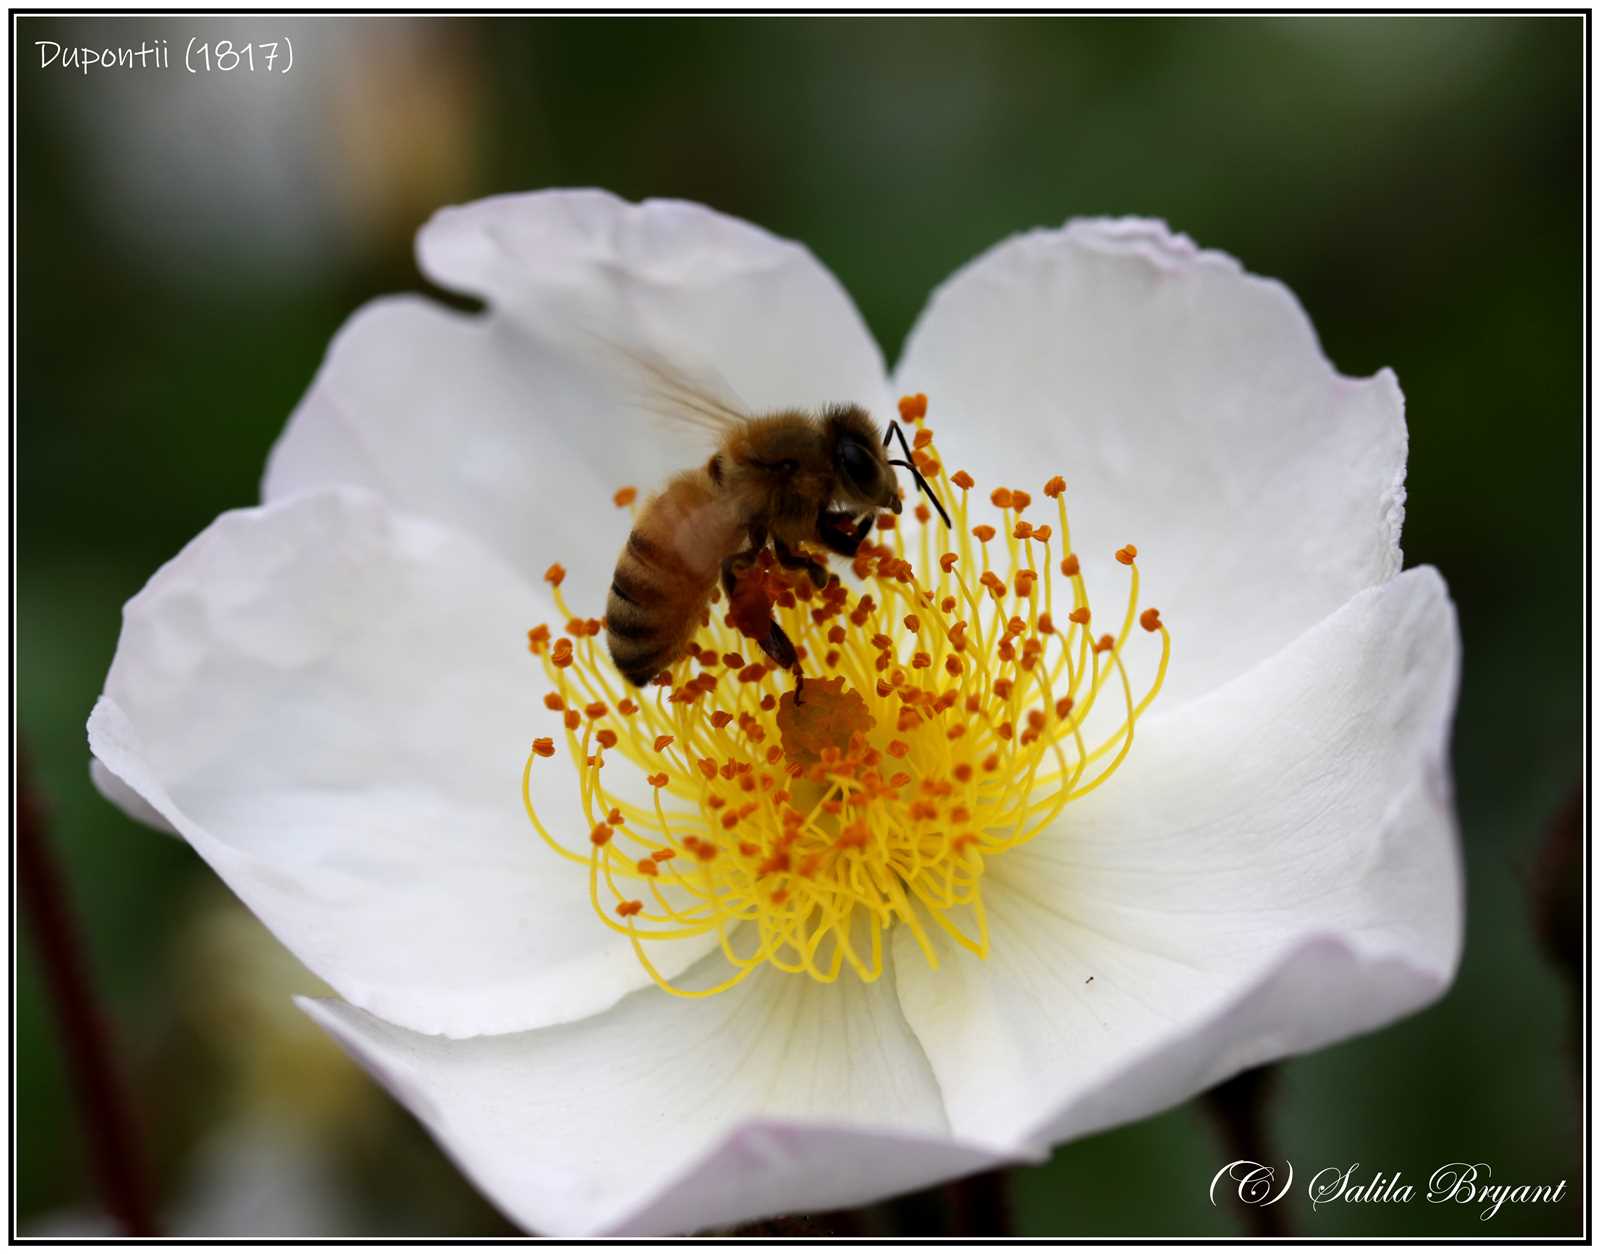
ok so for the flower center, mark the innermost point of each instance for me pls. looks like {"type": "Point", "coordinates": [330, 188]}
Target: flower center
{"type": "Point", "coordinates": [953, 706]}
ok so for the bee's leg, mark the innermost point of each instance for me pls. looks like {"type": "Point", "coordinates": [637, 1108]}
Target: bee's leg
{"type": "Point", "coordinates": [841, 535]}
{"type": "Point", "coordinates": [799, 561]}
{"type": "Point", "coordinates": [737, 563]}
{"type": "Point", "coordinates": [777, 645]}
{"type": "Point", "coordinates": [732, 568]}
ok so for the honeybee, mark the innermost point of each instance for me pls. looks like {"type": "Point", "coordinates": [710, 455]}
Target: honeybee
{"type": "Point", "coordinates": [789, 478]}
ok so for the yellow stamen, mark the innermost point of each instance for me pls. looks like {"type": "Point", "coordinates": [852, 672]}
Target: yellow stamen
{"type": "Point", "coordinates": [943, 721]}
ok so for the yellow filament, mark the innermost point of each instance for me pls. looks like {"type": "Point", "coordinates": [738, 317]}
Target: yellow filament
{"type": "Point", "coordinates": [977, 697]}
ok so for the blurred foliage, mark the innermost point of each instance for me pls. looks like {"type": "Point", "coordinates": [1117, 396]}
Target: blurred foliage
{"type": "Point", "coordinates": [187, 246]}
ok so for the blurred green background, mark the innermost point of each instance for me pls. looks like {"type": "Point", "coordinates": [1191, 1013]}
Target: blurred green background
{"type": "Point", "coordinates": [188, 244]}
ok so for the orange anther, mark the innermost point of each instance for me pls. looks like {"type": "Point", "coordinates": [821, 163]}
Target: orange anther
{"type": "Point", "coordinates": [607, 738]}
{"type": "Point", "coordinates": [1023, 530]}
{"type": "Point", "coordinates": [913, 407]}
{"type": "Point", "coordinates": [708, 768]}
{"type": "Point", "coordinates": [624, 497]}
{"type": "Point", "coordinates": [922, 438]}
{"type": "Point", "coordinates": [1043, 533]}
{"type": "Point", "coordinates": [1069, 565]}
{"type": "Point", "coordinates": [962, 771]}
{"type": "Point", "coordinates": [1002, 689]}
{"type": "Point", "coordinates": [595, 709]}
{"type": "Point", "coordinates": [658, 780]}
{"type": "Point", "coordinates": [1063, 707]}
{"type": "Point", "coordinates": [1126, 554]}
{"type": "Point", "coordinates": [1150, 620]}
{"type": "Point", "coordinates": [886, 522]}
{"type": "Point", "coordinates": [553, 701]}
{"type": "Point", "coordinates": [663, 855]}
{"type": "Point", "coordinates": [544, 747]}
{"type": "Point", "coordinates": [662, 742]}
{"type": "Point", "coordinates": [733, 661]}
{"type": "Point", "coordinates": [1080, 615]}
{"type": "Point", "coordinates": [963, 480]}
{"type": "Point", "coordinates": [538, 637]}
{"type": "Point", "coordinates": [898, 749]}
{"type": "Point", "coordinates": [600, 834]}
{"type": "Point", "coordinates": [1055, 486]}
{"type": "Point", "coordinates": [912, 622]}
{"type": "Point", "coordinates": [1105, 643]}
{"type": "Point", "coordinates": [1020, 500]}
{"type": "Point", "coordinates": [1001, 498]}
{"type": "Point", "coordinates": [720, 719]}
{"type": "Point", "coordinates": [1047, 625]}
{"type": "Point", "coordinates": [555, 574]}
{"type": "Point", "coordinates": [991, 763]}
{"type": "Point", "coordinates": [627, 908]}
{"type": "Point", "coordinates": [572, 719]}
{"type": "Point", "coordinates": [626, 706]}
{"type": "Point", "coordinates": [952, 664]}
{"type": "Point", "coordinates": [984, 532]}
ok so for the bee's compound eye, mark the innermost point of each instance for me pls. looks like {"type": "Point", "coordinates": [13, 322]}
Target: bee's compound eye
{"type": "Point", "coordinates": [858, 465]}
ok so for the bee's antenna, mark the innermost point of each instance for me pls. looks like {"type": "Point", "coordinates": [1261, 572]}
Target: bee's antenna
{"type": "Point", "coordinates": [894, 430]}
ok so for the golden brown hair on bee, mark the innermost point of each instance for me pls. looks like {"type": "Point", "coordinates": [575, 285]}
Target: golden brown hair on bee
{"type": "Point", "coordinates": [791, 477]}
{"type": "Point", "coordinates": [666, 572]}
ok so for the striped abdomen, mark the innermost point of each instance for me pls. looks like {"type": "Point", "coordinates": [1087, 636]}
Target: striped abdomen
{"type": "Point", "coordinates": [664, 579]}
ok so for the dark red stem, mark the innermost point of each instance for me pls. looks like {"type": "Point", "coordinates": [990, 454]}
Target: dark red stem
{"type": "Point", "coordinates": [86, 1043]}
{"type": "Point", "coordinates": [980, 1205]}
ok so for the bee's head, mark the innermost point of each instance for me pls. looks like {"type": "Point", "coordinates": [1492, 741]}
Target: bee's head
{"type": "Point", "coordinates": [862, 473]}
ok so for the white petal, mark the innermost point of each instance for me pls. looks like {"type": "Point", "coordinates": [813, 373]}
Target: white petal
{"type": "Point", "coordinates": [517, 426]}
{"type": "Point", "coordinates": [665, 1115]}
{"type": "Point", "coordinates": [333, 703]}
{"type": "Point", "coordinates": [1191, 412]}
{"type": "Point", "coordinates": [125, 799]}
{"type": "Point", "coordinates": [1274, 868]}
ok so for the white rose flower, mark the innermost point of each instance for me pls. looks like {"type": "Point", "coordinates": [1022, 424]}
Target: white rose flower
{"type": "Point", "coordinates": [331, 697]}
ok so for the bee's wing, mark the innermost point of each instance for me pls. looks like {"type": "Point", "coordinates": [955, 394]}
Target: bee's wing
{"type": "Point", "coordinates": [686, 394]}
